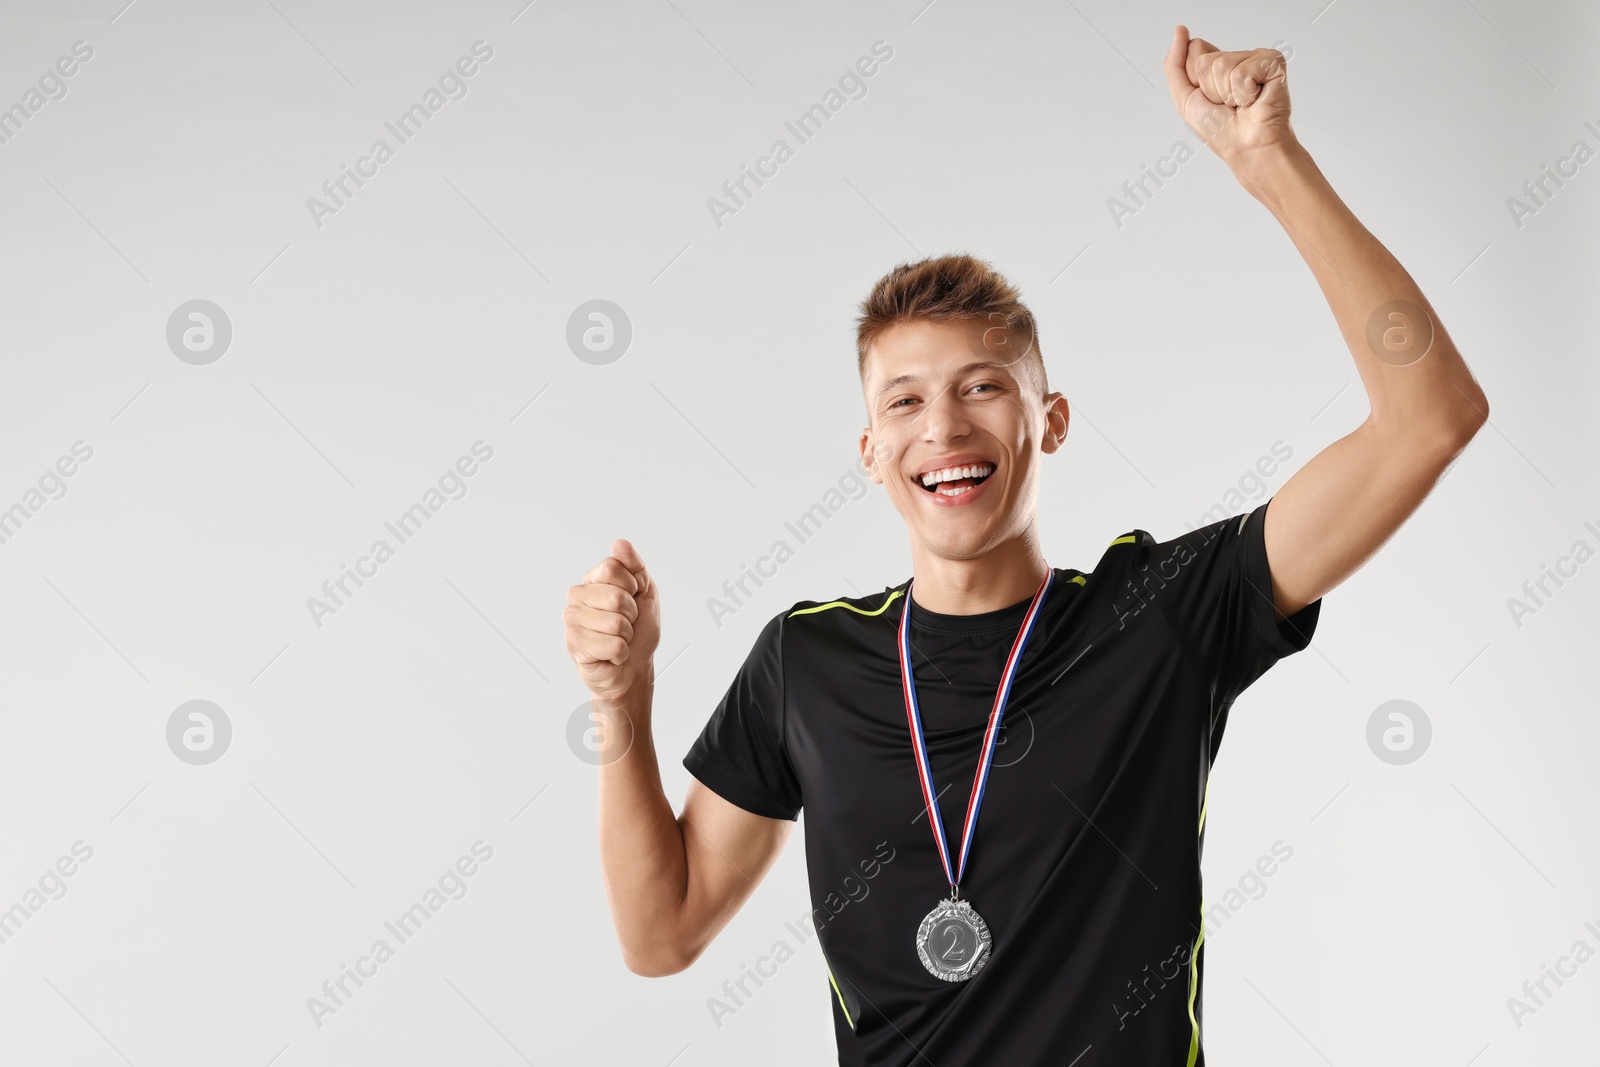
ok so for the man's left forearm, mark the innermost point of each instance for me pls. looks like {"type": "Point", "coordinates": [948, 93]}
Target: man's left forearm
{"type": "Point", "coordinates": [1416, 382]}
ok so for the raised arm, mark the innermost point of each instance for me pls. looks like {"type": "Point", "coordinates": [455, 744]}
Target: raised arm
{"type": "Point", "coordinates": [672, 882]}
{"type": "Point", "coordinates": [1340, 508]}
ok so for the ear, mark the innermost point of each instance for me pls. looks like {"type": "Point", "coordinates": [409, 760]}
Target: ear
{"type": "Point", "coordinates": [1057, 415]}
{"type": "Point", "coordinates": [868, 456]}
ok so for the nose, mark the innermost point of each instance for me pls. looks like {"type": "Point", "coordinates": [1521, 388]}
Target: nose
{"type": "Point", "coordinates": [944, 417]}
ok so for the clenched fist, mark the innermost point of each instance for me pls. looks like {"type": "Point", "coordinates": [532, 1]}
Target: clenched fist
{"type": "Point", "coordinates": [613, 623]}
{"type": "Point", "coordinates": [1238, 102]}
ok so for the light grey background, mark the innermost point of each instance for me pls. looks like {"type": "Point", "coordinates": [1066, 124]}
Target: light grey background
{"type": "Point", "coordinates": [431, 711]}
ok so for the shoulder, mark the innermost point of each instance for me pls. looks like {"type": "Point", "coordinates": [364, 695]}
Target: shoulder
{"type": "Point", "coordinates": [807, 620]}
{"type": "Point", "coordinates": [1125, 550]}
{"type": "Point", "coordinates": [1131, 562]}
{"type": "Point", "coordinates": [808, 629]}
{"type": "Point", "coordinates": [844, 610]}
{"type": "Point", "coordinates": [1138, 547]}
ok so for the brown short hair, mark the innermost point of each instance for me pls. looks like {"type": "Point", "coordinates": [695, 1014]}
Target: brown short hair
{"type": "Point", "coordinates": [948, 289]}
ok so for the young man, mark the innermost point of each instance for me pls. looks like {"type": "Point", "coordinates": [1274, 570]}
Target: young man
{"type": "Point", "coordinates": [1075, 935]}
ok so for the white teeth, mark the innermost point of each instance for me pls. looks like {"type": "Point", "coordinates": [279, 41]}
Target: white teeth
{"type": "Point", "coordinates": [950, 474]}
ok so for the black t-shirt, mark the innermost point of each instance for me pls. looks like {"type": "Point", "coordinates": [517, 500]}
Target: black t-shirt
{"type": "Point", "coordinates": [1086, 859]}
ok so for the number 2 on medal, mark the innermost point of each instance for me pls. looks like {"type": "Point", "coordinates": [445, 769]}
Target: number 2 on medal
{"type": "Point", "coordinates": [954, 951]}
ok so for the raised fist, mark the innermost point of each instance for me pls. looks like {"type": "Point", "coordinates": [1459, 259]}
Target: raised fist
{"type": "Point", "coordinates": [613, 623]}
{"type": "Point", "coordinates": [1237, 102]}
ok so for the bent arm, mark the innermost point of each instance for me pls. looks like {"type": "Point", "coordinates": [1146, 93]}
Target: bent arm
{"type": "Point", "coordinates": [672, 882]}
{"type": "Point", "coordinates": [1425, 405]}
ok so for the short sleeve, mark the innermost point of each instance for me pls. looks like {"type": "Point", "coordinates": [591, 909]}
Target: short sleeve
{"type": "Point", "coordinates": [739, 755]}
{"type": "Point", "coordinates": [1214, 587]}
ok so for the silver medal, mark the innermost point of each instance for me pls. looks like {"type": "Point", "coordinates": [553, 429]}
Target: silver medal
{"type": "Point", "coordinates": [953, 941]}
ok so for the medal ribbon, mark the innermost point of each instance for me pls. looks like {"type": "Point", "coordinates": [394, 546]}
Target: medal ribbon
{"type": "Point", "coordinates": [991, 735]}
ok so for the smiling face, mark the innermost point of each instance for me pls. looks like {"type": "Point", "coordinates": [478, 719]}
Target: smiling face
{"type": "Point", "coordinates": [957, 425]}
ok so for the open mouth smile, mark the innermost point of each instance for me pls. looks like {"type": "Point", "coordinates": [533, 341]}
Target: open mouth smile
{"type": "Point", "coordinates": [958, 483]}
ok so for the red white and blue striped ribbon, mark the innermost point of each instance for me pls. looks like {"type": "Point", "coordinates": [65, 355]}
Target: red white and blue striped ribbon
{"type": "Point", "coordinates": [991, 735]}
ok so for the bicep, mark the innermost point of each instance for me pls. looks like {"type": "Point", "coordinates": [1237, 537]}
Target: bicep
{"type": "Point", "coordinates": [727, 851]}
{"type": "Point", "coordinates": [1340, 508]}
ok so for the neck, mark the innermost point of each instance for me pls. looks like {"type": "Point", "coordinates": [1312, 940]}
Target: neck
{"type": "Point", "coordinates": [999, 578]}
